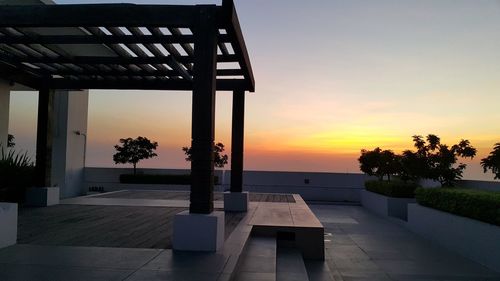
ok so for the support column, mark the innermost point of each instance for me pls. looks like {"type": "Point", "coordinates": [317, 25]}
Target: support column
{"type": "Point", "coordinates": [4, 112]}
{"type": "Point", "coordinates": [236, 200]}
{"type": "Point", "coordinates": [44, 137]}
{"type": "Point", "coordinates": [203, 113]}
{"type": "Point", "coordinates": [237, 139]}
{"type": "Point", "coordinates": [202, 229]}
{"type": "Point", "coordinates": [44, 194]}
{"type": "Point", "coordinates": [68, 141]}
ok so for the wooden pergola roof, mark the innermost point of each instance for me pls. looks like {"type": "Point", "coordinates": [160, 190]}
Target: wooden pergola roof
{"type": "Point", "coordinates": [117, 46]}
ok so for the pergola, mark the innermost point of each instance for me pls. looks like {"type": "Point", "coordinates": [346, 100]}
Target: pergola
{"type": "Point", "coordinates": [127, 46]}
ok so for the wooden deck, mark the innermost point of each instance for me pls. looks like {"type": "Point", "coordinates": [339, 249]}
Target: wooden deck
{"type": "Point", "coordinates": [103, 226]}
{"type": "Point", "coordinates": [184, 195]}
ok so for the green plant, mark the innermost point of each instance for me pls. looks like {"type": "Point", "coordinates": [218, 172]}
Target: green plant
{"type": "Point", "coordinates": [441, 159]}
{"type": "Point", "coordinates": [492, 162]}
{"type": "Point", "coordinates": [379, 163]}
{"type": "Point", "coordinates": [10, 141]}
{"type": "Point", "coordinates": [220, 160]}
{"type": "Point", "coordinates": [396, 189]}
{"type": "Point", "coordinates": [159, 179]}
{"type": "Point", "coordinates": [134, 150]}
{"type": "Point", "coordinates": [17, 172]}
{"type": "Point", "coordinates": [476, 204]}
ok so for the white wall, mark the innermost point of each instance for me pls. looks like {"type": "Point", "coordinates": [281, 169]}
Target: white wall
{"type": "Point", "coordinates": [475, 184]}
{"type": "Point", "coordinates": [70, 109]}
{"type": "Point", "coordinates": [333, 187]}
{"type": "Point", "coordinates": [487, 185]}
{"type": "Point", "coordinates": [4, 112]}
{"type": "Point", "coordinates": [321, 187]}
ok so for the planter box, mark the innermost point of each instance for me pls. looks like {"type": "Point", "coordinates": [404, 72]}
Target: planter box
{"type": "Point", "coordinates": [42, 196]}
{"type": "Point", "coordinates": [8, 224]}
{"type": "Point", "coordinates": [473, 239]}
{"type": "Point", "coordinates": [386, 206]}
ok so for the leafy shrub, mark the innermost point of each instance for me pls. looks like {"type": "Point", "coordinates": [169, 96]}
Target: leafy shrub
{"type": "Point", "coordinates": [475, 204]}
{"type": "Point", "coordinates": [396, 189]}
{"type": "Point", "coordinates": [159, 179]}
{"type": "Point", "coordinates": [379, 163]}
{"type": "Point", "coordinates": [17, 172]}
{"type": "Point", "coordinates": [492, 162]}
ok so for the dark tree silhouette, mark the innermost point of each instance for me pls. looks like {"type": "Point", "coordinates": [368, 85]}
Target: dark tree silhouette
{"type": "Point", "coordinates": [412, 166]}
{"type": "Point", "coordinates": [10, 141]}
{"type": "Point", "coordinates": [379, 163]}
{"type": "Point", "coordinates": [492, 162]}
{"type": "Point", "coordinates": [440, 159]}
{"type": "Point", "coordinates": [219, 159]}
{"type": "Point", "coordinates": [134, 150]}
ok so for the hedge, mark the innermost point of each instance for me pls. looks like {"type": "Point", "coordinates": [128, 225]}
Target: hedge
{"type": "Point", "coordinates": [159, 179]}
{"type": "Point", "coordinates": [396, 189]}
{"type": "Point", "coordinates": [475, 204]}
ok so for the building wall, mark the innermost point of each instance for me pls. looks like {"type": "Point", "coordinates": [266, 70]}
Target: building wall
{"type": "Point", "coordinates": [70, 109]}
{"type": "Point", "coordinates": [321, 186]}
{"type": "Point", "coordinates": [4, 112]}
{"type": "Point", "coordinates": [332, 187]}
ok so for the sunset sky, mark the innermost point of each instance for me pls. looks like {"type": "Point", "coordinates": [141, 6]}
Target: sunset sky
{"type": "Point", "coordinates": [332, 77]}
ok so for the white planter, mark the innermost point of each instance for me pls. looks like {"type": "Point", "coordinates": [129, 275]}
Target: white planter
{"type": "Point", "coordinates": [473, 239]}
{"type": "Point", "coordinates": [198, 232]}
{"type": "Point", "coordinates": [236, 201]}
{"type": "Point", "coordinates": [42, 196]}
{"type": "Point", "coordinates": [8, 224]}
{"type": "Point", "coordinates": [386, 206]}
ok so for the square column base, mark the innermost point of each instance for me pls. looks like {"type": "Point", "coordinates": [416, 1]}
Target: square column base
{"type": "Point", "coordinates": [8, 224]}
{"type": "Point", "coordinates": [42, 196]}
{"type": "Point", "coordinates": [236, 201]}
{"type": "Point", "coordinates": [198, 232]}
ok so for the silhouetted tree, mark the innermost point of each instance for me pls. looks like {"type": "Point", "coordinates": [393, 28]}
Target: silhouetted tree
{"type": "Point", "coordinates": [134, 150]}
{"type": "Point", "coordinates": [412, 166]}
{"type": "Point", "coordinates": [492, 162]}
{"type": "Point", "coordinates": [439, 160]}
{"type": "Point", "coordinates": [379, 163]}
{"type": "Point", "coordinates": [10, 141]}
{"type": "Point", "coordinates": [219, 159]}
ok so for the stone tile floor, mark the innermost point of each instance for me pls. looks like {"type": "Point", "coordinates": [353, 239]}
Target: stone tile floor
{"type": "Point", "coordinates": [359, 246]}
{"type": "Point", "coordinates": [363, 246]}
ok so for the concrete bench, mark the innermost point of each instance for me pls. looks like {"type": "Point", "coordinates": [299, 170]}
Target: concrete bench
{"type": "Point", "coordinates": [294, 220]}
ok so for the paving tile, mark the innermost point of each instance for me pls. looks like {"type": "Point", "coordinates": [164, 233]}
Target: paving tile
{"type": "Point", "coordinates": [289, 276]}
{"type": "Point", "coordinates": [383, 250]}
{"type": "Point", "coordinates": [258, 264]}
{"type": "Point", "coordinates": [115, 258]}
{"type": "Point", "coordinates": [23, 272]}
{"type": "Point", "coordinates": [170, 260]}
{"type": "Point", "coordinates": [162, 275]}
{"type": "Point", "coordinates": [255, 276]}
{"type": "Point", "coordinates": [320, 271]}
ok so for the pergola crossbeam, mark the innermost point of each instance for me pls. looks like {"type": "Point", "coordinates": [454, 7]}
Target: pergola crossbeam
{"type": "Point", "coordinates": [97, 15]}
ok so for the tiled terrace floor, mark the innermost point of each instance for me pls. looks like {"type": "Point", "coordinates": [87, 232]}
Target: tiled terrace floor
{"type": "Point", "coordinates": [184, 195]}
{"type": "Point", "coordinates": [362, 246]}
{"type": "Point", "coordinates": [358, 246]}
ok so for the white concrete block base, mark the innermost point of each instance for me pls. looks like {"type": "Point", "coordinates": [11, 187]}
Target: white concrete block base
{"type": "Point", "coordinates": [386, 206]}
{"type": "Point", "coordinates": [236, 201]}
{"type": "Point", "coordinates": [476, 240]}
{"type": "Point", "coordinates": [42, 196]}
{"type": "Point", "coordinates": [198, 232]}
{"type": "Point", "coordinates": [8, 224]}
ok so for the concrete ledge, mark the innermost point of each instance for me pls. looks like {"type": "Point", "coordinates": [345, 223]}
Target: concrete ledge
{"type": "Point", "coordinates": [473, 239]}
{"type": "Point", "coordinates": [198, 232]}
{"type": "Point", "coordinates": [386, 206]}
{"type": "Point", "coordinates": [8, 224]}
{"type": "Point", "coordinates": [236, 201]}
{"type": "Point", "coordinates": [42, 196]}
{"type": "Point", "coordinates": [294, 220]}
